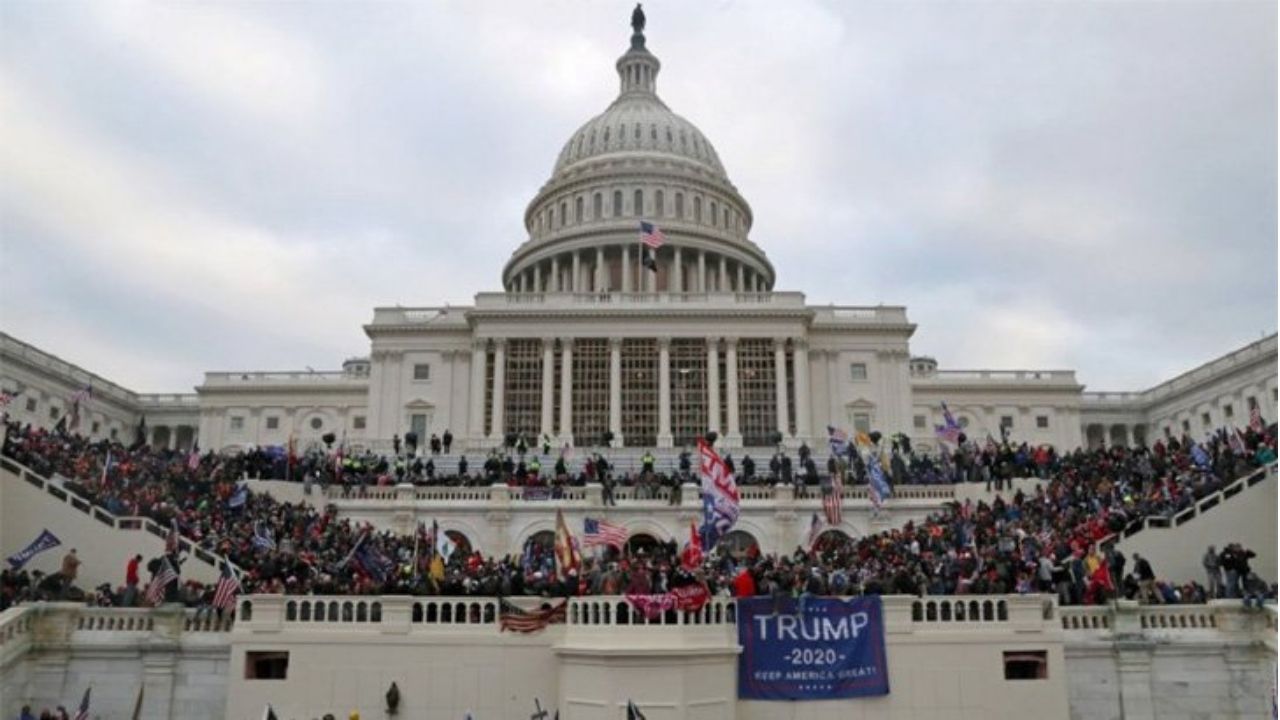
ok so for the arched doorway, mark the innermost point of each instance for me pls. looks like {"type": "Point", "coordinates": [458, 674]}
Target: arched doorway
{"type": "Point", "coordinates": [832, 541]}
{"type": "Point", "coordinates": [738, 544]}
{"type": "Point", "coordinates": [538, 552]}
{"type": "Point", "coordinates": [461, 543]}
{"type": "Point", "coordinates": [643, 544]}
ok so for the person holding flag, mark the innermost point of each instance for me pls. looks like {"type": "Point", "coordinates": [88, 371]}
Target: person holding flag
{"type": "Point", "coordinates": [950, 430]}
{"type": "Point", "coordinates": [566, 549]}
{"type": "Point", "coordinates": [720, 498]}
{"type": "Point", "coordinates": [226, 591]}
{"type": "Point", "coordinates": [691, 557]}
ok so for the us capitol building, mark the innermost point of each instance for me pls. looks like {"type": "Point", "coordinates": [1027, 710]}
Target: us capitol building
{"type": "Point", "coordinates": [591, 335]}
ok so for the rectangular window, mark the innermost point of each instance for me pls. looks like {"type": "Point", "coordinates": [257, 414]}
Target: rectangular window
{"type": "Point", "coordinates": [858, 372]}
{"type": "Point", "coordinates": [421, 371]}
{"type": "Point", "coordinates": [1006, 421]}
{"type": "Point", "coordinates": [53, 413]}
{"type": "Point", "coordinates": [266, 665]}
{"type": "Point", "coordinates": [31, 405]}
{"type": "Point", "coordinates": [757, 391]}
{"type": "Point", "coordinates": [862, 422]}
{"type": "Point", "coordinates": [237, 422]}
{"type": "Point", "coordinates": [1026, 665]}
{"type": "Point", "coordinates": [1228, 411]}
{"type": "Point", "coordinates": [523, 392]}
{"type": "Point", "coordinates": [95, 429]}
{"type": "Point", "coordinates": [1168, 432]}
{"type": "Point", "coordinates": [357, 422]}
{"type": "Point", "coordinates": [921, 422]}
{"type": "Point", "coordinates": [688, 389]}
{"type": "Point", "coordinates": [1042, 422]}
{"type": "Point", "coordinates": [590, 390]}
{"type": "Point", "coordinates": [639, 392]}
{"type": "Point", "coordinates": [273, 423]}
{"type": "Point", "coordinates": [1186, 426]}
{"type": "Point", "coordinates": [1204, 419]}
{"type": "Point", "coordinates": [115, 432]}
{"type": "Point", "coordinates": [1253, 403]}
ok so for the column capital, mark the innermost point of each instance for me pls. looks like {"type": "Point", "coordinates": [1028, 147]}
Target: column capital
{"type": "Point", "coordinates": [479, 344]}
{"type": "Point", "coordinates": [499, 343]}
{"type": "Point", "coordinates": [548, 342]}
{"type": "Point", "coordinates": [730, 342]}
{"type": "Point", "coordinates": [664, 342]}
{"type": "Point", "coordinates": [780, 343]}
{"type": "Point", "coordinates": [800, 343]}
{"type": "Point", "coordinates": [615, 343]}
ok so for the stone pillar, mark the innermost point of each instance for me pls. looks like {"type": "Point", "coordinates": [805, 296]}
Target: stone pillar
{"type": "Point", "coordinates": [713, 381]}
{"type": "Point", "coordinates": [615, 389]}
{"type": "Point", "coordinates": [1133, 659]}
{"type": "Point", "coordinates": [475, 417]}
{"type": "Point", "coordinates": [664, 392]}
{"type": "Point", "coordinates": [601, 277]}
{"type": "Point", "coordinates": [548, 385]}
{"type": "Point", "coordinates": [554, 284]}
{"type": "Point", "coordinates": [675, 281]}
{"type": "Point", "coordinates": [498, 410]}
{"type": "Point", "coordinates": [724, 274]}
{"type": "Point", "coordinates": [576, 284]}
{"type": "Point", "coordinates": [780, 383]}
{"type": "Point", "coordinates": [519, 283]}
{"type": "Point", "coordinates": [733, 435]}
{"type": "Point", "coordinates": [741, 286]}
{"type": "Point", "coordinates": [702, 271]}
{"type": "Point", "coordinates": [626, 268]}
{"type": "Point", "coordinates": [800, 361]}
{"type": "Point", "coordinates": [566, 390]}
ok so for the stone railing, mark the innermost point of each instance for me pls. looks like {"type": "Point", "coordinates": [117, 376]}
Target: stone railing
{"type": "Point", "coordinates": [1222, 619]}
{"type": "Point", "coordinates": [17, 625]}
{"type": "Point", "coordinates": [701, 300]}
{"type": "Point", "coordinates": [1201, 506]}
{"type": "Point", "coordinates": [56, 489]}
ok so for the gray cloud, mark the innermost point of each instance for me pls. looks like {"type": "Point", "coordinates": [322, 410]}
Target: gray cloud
{"type": "Point", "coordinates": [192, 187]}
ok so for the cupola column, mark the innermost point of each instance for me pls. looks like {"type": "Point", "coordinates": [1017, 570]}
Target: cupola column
{"type": "Point", "coordinates": [702, 271]}
{"type": "Point", "coordinates": [724, 274]}
{"type": "Point", "coordinates": [554, 284]}
{"type": "Point", "coordinates": [577, 272]}
{"type": "Point", "coordinates": [601, 277]}
{"type": "Point", "coordinates": [741, 287]}
{"type": "Point", "coordinates": [675, 281]}
{"type": "Point", "coordinates": [626, 269]}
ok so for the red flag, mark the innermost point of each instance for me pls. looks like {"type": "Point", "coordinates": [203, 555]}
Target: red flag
{"type": "Point", "coordinates": [565, 548]}
{"type": "Point", "coordinates": [691, 558]}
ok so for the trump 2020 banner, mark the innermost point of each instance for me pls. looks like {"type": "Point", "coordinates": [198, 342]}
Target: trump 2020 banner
{"type": "Point", "coordinates": [835, 649]}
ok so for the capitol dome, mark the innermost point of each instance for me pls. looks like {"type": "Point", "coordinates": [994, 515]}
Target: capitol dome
{"type": "Point", "coordinates": [638, 161]}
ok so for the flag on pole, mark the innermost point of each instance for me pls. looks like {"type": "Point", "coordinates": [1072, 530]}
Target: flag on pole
{"type": "Point", "coordinates": [227, 589]}
{"type": "Point", "coordinates": [877, 485]}
{"type": "Point", "coordinates": [262, 538]}
{"type": "Point", "coordinates": [950, 429]}
{"type": "Point", "coordinates": [815, 529]}
{"type": "Point", "coordinates": [137, 704]}
{"type": "Point", "coordinates": [165, 575]}
{"type": "Point", "coordinates": [602, 532]}
{"type": "Point", "coordinates": [720, 496]}
{"type": "Point", "coordinates": [239, 497]}
{"type": "Point", "coordinates": [171, 541]}
{"type": "Point", "coordinates": [83, 712]}
{"type": "Point", "coordinates": [291, 457]}
{"type": "Point", "coordinates": [839, 441]}
{"type": "Point", "coordinates": [44, 541]}
{"type": "Point", "coordinates": [691, 558]}
{"type": "Point", "coordinates": [566, 550]}
{"type": "Point", "coordinates": [106, 468]}
{"type": "Point", "coordinates": [1200, 457]}
{"type": "Point", "coordinates": [651, 235]}
{"type": "Point", "coordinates": [444, 544]}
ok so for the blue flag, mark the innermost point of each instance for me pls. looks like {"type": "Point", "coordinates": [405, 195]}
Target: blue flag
{"type": "Point", "coordinates": [878, 486]}
{"type": "Point", "coordinates": [46, 541]}
{"type": "Point", "coordinates": [1199, 456]}
{"type": "Point", "coordinates": [239, 497]}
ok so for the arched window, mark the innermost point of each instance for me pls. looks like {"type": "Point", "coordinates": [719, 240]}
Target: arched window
{"type": "Point", "coordinates": [597, 207]}
{"type": "Point", "coordinates": [564, 213]}
{"type": "Point", "coordinates": [697, 209]}
{"type": "Point", "coordinates": [606, 137]}
{"type": "Point", "coordinates": [737, 543]}
{"type": "Point", "coordinates": [617, 203]}
{"type": "Point", "coordinates": [591, 145]}
{"type": "Point", "coordinates": [713, 213]}
{"type": "Point", "coordinates": [653, 133]}
{"type": "Point", "coordinates": [577, 210]}
{"type": "Point", "coordinates": [659, 206]}
{"type": "Point", "coordinates": [680, 205]}
{"type": "Point", "coordinates": [637, 204]}
{"type": "Point", "coordinates": [637, 132]}
{"type": "Point", "coordinates": [551, 217]}
{"type": "Point", "coordinates": [726, 218]}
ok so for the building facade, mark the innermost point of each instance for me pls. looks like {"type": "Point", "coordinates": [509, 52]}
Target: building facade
{"type": "Point", "coordinates": [598, 339]}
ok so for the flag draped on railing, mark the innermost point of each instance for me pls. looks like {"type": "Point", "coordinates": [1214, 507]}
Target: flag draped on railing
{"type": "Point", "coordinates": [517, 619]}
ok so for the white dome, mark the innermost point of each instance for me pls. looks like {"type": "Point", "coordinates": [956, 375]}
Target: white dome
{"type": "Point", "coordinates": [639, 123]}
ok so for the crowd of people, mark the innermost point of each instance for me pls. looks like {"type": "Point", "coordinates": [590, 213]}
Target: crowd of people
{"type": "Point", "coordinates": [1046, 541]}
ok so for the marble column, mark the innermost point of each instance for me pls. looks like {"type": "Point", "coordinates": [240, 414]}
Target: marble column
{"type": "Point", "coordinates": [702, 271]}
{"type": "Point", "coordinates": [576, 286]}
{"type": "Point", "coordinates": [554, 281]}
{"type": "Point", "coordinates": [800, 362]}
{"type": "Point", "coordinates": [733, 435]}
{"type": "Point", "coordinates": [615, 389]}
{"type": "Point", "coordinates": [741, 286]}
{"type": "Point", "coordinates": [626, 269]}
{"type": "Point", "coordinates": [548, 385]}
{"type": "Point", "coordinates": [519, 283]}
{"type": "Point", "coordinates": [566, 390]}
{"type": "Point", "coordinates": [601, 278]}
{"type": "Point", "coordinates": [675, 281]}
{"type": "Point", "coordinates": [475, 417]}
{"type": "Point", "coordinates": [664, 392]}
{"type": "Point", "coordinates": [780, 383]}
{"type": "Point", "coordinates": [499, 407]}
{"type": "Point", "coordinates": [724, 274]}
{"type": "Point", "coordinates": [713, 382]}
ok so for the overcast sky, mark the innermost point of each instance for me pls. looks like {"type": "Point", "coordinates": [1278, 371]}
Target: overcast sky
{"type": "Point", "coordinates": [191, 187]}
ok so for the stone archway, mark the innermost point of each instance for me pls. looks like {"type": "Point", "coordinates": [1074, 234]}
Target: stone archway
{"type": "Point", "coordinates": [738, 543]}
{"type": "Point", "coordinates": [643, 543]}
{"type": "Point", "coordinates": [832, 540]}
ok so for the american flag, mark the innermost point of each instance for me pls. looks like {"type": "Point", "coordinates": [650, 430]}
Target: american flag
{"type": "Point", "coordinates": [651, 235]}
{"type": "Point", "coordinates": [603, 532]}
{"type": "Point", "coordinates": [228, 587]}
{"type": "Point", "coordinates": [526, 621]}
{"type": "Point", "coordinates": [166, 575]}
{"type": "Point", "coordinates": [1255, 419]}
{"type": "Point", "coordinates": [832, 502]}
{"type": "Point", "coordinates": [815, 529]}
{"type": "Point", "coordinates": [83, 712]}
{"type": "Point", "coordinates": [171, 542]}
